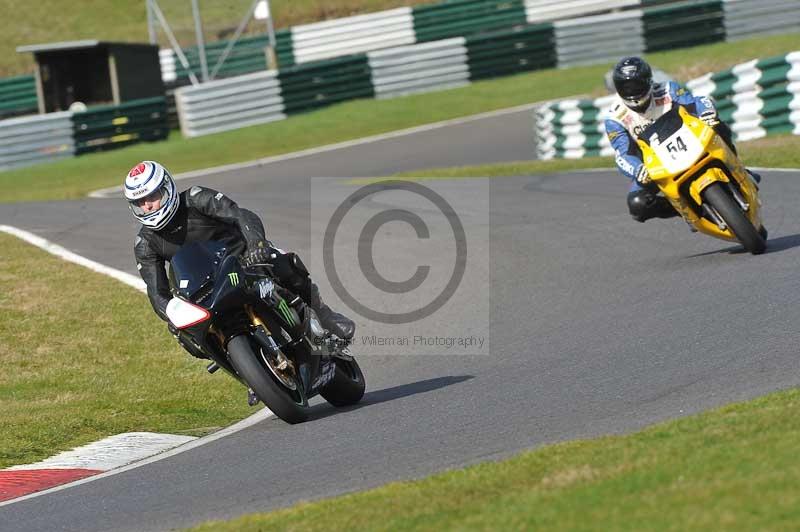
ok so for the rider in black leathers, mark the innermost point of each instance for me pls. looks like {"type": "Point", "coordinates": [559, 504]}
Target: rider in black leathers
{"type": "Point", "coordinates": [202, 214]}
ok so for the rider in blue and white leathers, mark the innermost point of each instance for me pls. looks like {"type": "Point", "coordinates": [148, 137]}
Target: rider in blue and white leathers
{"type": "Point", "coordinates": [639, 102]}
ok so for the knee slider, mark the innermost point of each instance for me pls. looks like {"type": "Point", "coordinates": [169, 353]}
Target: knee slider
{"type": "Point", "coordinates": [639, 203]}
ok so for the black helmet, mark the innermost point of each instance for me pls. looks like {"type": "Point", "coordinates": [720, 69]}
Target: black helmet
{"type": "Point", "coordinates": [633, 80]}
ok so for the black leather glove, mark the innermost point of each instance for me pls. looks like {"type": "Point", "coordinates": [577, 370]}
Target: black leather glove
{"type": "Point", "coordinates": [291, 272]}
{"type": "Point", "coordinates": [258, 253]}
{"type": "Point", "coordinates": [709, 117]}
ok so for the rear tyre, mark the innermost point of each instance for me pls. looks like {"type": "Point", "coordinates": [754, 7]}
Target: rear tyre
{"type": "Point", "coordinates": [347, 386]}
{"type": "Point", "coordinates": [719, 198]}
{"type": "Point", "coordinates": [289, 405]}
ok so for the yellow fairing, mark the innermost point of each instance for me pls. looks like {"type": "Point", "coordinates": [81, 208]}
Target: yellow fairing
{"type": "Point", "coordinates": [709, 168]}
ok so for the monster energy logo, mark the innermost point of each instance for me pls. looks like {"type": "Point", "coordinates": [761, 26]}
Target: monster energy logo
{"type": "Point", "coordinates": [283, 308]}
{"type": "Point", "coordinates": [233, 277]}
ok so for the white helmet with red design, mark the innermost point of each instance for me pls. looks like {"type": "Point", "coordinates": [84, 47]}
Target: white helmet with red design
{"type": "Point", "coordinates": [150, 181]}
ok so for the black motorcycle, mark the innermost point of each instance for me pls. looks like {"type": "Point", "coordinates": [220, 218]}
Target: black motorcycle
{"type": "Point", "coordinates": [261, 333]}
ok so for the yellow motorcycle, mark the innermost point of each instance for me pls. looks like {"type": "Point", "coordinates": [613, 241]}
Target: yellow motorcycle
{"type": "Point", "coordinates": [703, 179]}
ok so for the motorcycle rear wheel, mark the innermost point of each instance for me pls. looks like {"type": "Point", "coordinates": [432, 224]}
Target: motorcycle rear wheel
{"type": "Point", "coordinates": [289, 405]}
{"type": "Point", "coordinates": [347, 386]}
{"type": "Point", "coordinates": [719, 198]}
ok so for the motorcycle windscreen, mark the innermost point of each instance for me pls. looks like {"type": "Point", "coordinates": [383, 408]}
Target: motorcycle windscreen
{"type": "Point", "coordinates": [664, 126]}
{"type": "Point", "coordinates": [675, 145]}
{"type": "Point", "coordinates": [194, 265]}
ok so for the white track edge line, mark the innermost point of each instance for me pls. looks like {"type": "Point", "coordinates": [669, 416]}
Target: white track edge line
{"type": "Point", "coordinates": [137, 283]}
{"type": "Point", "coordinates": [259, 416]}
{"type": "Point", "coordinates": [59, 251]}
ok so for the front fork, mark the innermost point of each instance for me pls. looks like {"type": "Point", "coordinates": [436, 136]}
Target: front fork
{"type": "Point", "coordinates": [314, 367]}
{"type": "Point", "coordinates": [264, 338]}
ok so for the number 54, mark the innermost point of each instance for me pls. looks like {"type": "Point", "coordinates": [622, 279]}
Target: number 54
{"type": "Point", "coordinates": [676, 145]}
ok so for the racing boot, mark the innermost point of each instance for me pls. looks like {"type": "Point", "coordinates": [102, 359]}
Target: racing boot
{"type": "Point", "coordinates": [336, 323]}
{"type": "Point", "coordinates": [292, 273]}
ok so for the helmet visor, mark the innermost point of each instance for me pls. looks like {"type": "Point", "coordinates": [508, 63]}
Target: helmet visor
{"type": "Point", "coordinates": [634, 89]}
{"type": "Point", "coordinates": [152, 202]}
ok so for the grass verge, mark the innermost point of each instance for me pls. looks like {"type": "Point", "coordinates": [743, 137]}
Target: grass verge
{"type": "Point", "coordinates": [75, 177]}
{"type": "Point", "coordinates": [47, 21]}
{"type": "Point", "coordinates": [85, 357]}
{"type": "Point", "coordinates": [732, 468]}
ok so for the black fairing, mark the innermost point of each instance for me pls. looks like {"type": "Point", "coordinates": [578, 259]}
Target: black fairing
{"type": "Point", "coordinates": [229, 283]}
{"type": "Point", "coordinates": [193, 266]}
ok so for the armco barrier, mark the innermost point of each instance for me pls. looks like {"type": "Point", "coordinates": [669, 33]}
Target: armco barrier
{"type": "Point", "coordinates": [314, 85]}
{"type": "Point", "coordinates": [419, 67]}
{"type": "Point", "coordinates": [688, 23]}
{"type": "Point", "coordinates": [550, 10]}
{"type": "Point", "coordinates": [466, 17]}
{"type": "Point", "coordinates": [503, 53]}
{"type": "Point", "coordinates": [247, 55]}
{"type": "Point", "coordinates": [18, 96]}
{"type": "Point", "coordinates": [746, 18]}
{"type": "Point", "coordinates": [229, 104]}
{"type": "Point", "coordinates": [756, 98]}
{"type": "Point", "coordinates": [441, 64]}
{"type": "Point", "coordinates": [113, 126]}
{"type": "Point", "coordinates": [35, 139]}
{"type": "Point", "coordinates": [385, 29]}
{"type": "Point", "coordinates": [665, 24]}
{"type": "Point", "coordinates": [591, 39]}
{"type": "Point", "coordinates": [352, 35]}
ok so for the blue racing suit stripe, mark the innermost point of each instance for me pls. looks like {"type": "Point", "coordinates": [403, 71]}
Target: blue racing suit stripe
{"type": "Point", "coordinates": [628, 155]}
{"type": "Point", "coordinates": [696, 105]}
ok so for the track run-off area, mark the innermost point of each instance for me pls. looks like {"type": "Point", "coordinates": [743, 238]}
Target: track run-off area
{"type": "Point", "coordinates": [598, 325]}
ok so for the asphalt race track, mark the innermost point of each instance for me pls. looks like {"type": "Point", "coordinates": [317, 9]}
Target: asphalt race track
{"type": "Point", "coordinates": [598, 325]}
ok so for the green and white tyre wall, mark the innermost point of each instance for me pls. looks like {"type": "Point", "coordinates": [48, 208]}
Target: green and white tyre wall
{"type": "Point", "coordinates": [756, 98]}
{"type": "Point", "coordinates": [572, 129]}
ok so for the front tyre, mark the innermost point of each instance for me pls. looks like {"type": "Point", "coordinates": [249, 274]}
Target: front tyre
{"type": "Point", "coordinates": [719, 198]}
{"type": "Point", "coordinates": [292, 407]}
{"type": "Point", "coordinates": [347, 386]}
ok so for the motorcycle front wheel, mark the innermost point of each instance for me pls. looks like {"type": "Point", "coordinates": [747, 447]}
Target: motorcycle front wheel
{"type": "Point", "coordinates": [347, 386]}
{"type": "Point", "coordinates": [289, 405]}
{"type": "Point", "coordinates": [719, 198]}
